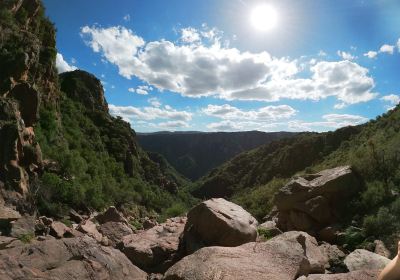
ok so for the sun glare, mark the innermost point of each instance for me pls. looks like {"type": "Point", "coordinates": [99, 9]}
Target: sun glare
{"type": "Point", "coordinates": [264, 17]}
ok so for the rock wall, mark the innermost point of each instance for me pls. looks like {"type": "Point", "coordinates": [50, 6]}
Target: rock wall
{"type": "Point", "coordinates": [28, 78]}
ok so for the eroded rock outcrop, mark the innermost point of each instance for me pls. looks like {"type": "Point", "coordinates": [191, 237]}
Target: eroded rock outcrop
{"type": "Point", "coordinates": [217, 222]}
{"type": "Point", "coordinates": [66, 259]}
{"type": "Point", "coordinates": [362, 259]}
{"type": "Point", "coordinates": [277, 259]}
{"type": "Point", "coordinates": [157, 248]}
{"type": "Point", "coordinates": [311, 202]}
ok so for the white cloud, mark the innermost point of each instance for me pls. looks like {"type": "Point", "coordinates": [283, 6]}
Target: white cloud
{"type": "Point", "coordinates": [346, 55]}
{"type": "Point", "coordinates": [190, 35]}
{"type": "Point", "coordinates": [117, 44]}
{"type": "Point", "coordinates": [371, 54]}
{"type": "Point", "coordinates": [127, 17]}
{"type": "Point", "coordinates": [62, 65]}
{"type": "Point", "coordinates": [130, 113]}
{"type": "Point", "coordinates": [330, 122]}
{"type": "Point", "coordinates": [142, 90]}
{"type": "Point", "coordinates": [196, 69]}
{"type": "Point", "coordinates": [269, 113]}
{"type": "Point", "coordinates": [173, 124]}
{"type": "Point", "coordinates": [398, 45]}
{"type": "Point", "coordinates": [393, 99]}
{"type": "Point", "coordinates": [322, 53]}
{"type": "Point", "coordinates": [387, 49]}
{"type": "Point", "coordinates": [154, 102]}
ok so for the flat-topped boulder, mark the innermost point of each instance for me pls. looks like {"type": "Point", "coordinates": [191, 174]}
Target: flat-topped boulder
{"type": "Point", "coordinates": [67, 259]}
{"type": "Point", "coordinates": [155, 249]}
{"type": "Point", "coordinates": [362, 259]}
{"type": "Point", "coordinates": [276, 259]}
{"type": "Point", "coordinates": [217, 222]}
{"type": "Point", "coordinates": [8, 214]}
{"type": "Point", "coordinates": [314, 201]}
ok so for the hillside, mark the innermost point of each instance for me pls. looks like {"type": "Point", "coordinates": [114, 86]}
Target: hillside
{"type": "Point", "coordinates": [194, 154]}
{"type": "Point", "coordinates": [60, 147]}
{"type": "Point", "coordinates": [251, 179]}
{"type": "Point", "coordinates": [279, 159]}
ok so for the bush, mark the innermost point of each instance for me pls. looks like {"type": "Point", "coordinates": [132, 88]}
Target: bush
{"type": "Point", "coordinates": [374, 195]}
{"type": "Point", "coordinates": [383, 223]}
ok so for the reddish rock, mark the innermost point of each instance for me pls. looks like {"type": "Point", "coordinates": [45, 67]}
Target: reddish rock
{"type": "Point", "coordinates": [90, 228]}
{"type": "Point", "coordinates": [277, 259]}
{"type": "Point", "coordinates": [217, 222]}
{"type": "Point", "coordinates": [155, 249]}
{"type": "Point", "coordinates": [60, 259]}
{"type": "Point", "coordinates": [115, 232]}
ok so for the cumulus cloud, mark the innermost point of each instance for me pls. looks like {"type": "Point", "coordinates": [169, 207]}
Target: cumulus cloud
{"type": "Point", "coordinates": [117, 44]}
{"type": "Point", "coordinates": [346, 55]}
{"type": "Point", "coordinates": [150, 113]}
{"type": "Point", "coordinates": [190, 35]}
{"type": "Point", "coordinates": [143, 90]}
{"type": "Point", "coordinates": [387, 49]}
{"type": "Point", "coordinates": [62, 65]}
{"type": "Point", "coordinates": [172, 125]}
{"type": "Point", "coordinates": [269, 113]}
{"type": "Point", "coordinates": [154, 102]}
{"type": "Point", "coordinates": [371, 54]}
{"type": "Point", "coordinates": [197, 69]}
{"type": "Point", "coordinates": [398, 45]}
{"type": "Point", "coordinates": [329, 122]}
{"type": "Point", "coordinates": [393, 99]}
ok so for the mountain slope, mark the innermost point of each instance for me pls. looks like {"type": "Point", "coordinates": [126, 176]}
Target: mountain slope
{"type": "Point", "coordinates": [194, 154]}
{"type": "Point", "coordinates": [281, 158]}
{"type": "Point", "coordinates": [59, 146]}
{"type": "Point", "coordinates": [373, 150]}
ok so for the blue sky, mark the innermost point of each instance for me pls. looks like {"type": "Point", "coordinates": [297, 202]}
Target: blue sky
{"type": "Point", "coordinates": [204, 65]}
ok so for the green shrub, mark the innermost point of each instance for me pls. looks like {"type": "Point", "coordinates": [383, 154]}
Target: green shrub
{"type": "Point", "coordinates": [383, 223]}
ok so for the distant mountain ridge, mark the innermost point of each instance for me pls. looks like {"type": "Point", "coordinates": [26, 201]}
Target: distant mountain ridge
{"type": "Point", "coordinates": [194, 154]}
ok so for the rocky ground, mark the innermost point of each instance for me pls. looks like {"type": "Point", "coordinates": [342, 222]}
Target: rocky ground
{"type": "Point", "coordinates": [216, 240]}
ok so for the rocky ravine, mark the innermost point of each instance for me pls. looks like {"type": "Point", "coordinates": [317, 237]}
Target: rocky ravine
{"type": "Point", "coordinates": [217, 240]}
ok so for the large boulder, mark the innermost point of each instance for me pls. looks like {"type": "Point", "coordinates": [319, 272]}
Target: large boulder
{"type": "Point", "coordinates": [115, 231]}
{"type": "Point", "coordinates": [312, 202]}
{"type": "Point", "coordinates": [217, 222]}
{"type": "Point", "coordinates": [66, 259]}
{"type": "Point", "coordinates": [23, 227]}
{"type": "Point", "coordinates": [362, 259]}
{"type": "Point", "coordinates": [111, 215]}
{"type": "Point", "coordinates": [354, 275]}
{"type": "Point", "coordinates": [90, 228]}
{"type": "Point", "coordinates": [155, 249]}
{"type": "Point", "coordinates": [334, 257]}
{"type": "Point", "coordinates": [312, 251]}
{"type": "Point", "coordinates": [7, 214]}
{"type": "Point", "coordinates": [276, 259]}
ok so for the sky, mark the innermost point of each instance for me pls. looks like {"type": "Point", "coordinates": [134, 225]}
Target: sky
{"type": "Point", "coordinates": [235, 65]}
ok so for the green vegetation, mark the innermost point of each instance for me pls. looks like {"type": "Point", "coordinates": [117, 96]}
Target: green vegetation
{"type": "Point", "coordinates": [97, 163]}
{"type": "Point", "coordinates": [251, 179]}
{"type": "Point", "coordinates": [26, 238]}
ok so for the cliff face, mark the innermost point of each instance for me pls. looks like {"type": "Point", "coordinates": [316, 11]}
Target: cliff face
{"type": "Point", "coordinates": [59, 146]}
{"type": "Point", "coordinates": [27, 79]}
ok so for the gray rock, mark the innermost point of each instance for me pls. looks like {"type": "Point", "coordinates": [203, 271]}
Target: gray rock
{"type": "Point", "coordinates": [23, 226]}
{"type": "Point", "coordinates": [276, 259]}
{"type": "Point", "coordinates": [67, 259]}
{"type": "Point", "coordinates": [362, 259]}
{"type": "Point", "coordinates": [217, 222]}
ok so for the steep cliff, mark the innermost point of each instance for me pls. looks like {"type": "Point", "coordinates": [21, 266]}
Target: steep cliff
{"type": "Point", "coordinates": [59, 146]}
{"type": "Point", "coordinates": [28, 79]}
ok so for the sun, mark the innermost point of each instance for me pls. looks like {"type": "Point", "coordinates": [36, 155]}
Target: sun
{"type": "Point", "coordinates": [264, 17]}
